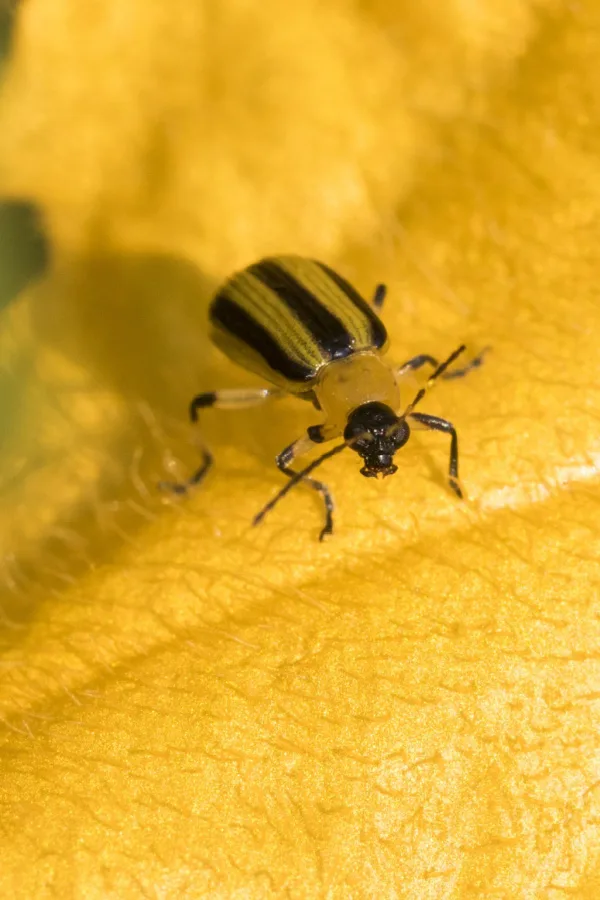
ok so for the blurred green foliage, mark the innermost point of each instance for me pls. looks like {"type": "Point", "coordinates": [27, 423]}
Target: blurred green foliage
{"type": "Point", "coordinates": [23, 247]}
{"type": "Point", "coordinates": [7, 20]}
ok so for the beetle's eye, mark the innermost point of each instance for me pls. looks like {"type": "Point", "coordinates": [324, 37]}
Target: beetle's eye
{"type": "Point", "coordinates": [362, 442]}
{"type": "Point", "coordinates": [356, 433]}
{"type": "Point", "coordinates": [400, 435]}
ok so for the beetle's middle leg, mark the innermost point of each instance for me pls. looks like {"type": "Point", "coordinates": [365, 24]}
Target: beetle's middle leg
{"type": "Point", "coordinates": [423, 359]}
{"type": "Point", "coordinates": [243, 398]}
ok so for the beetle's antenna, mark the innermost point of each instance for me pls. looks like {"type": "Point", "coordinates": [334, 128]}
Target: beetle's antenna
{"type": "Point", "coordinates": [432, 379]}
{"type": "Point", "coordinates": [297, 478]}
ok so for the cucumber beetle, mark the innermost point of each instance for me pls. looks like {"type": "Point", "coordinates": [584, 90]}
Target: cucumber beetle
{"type": "Point", "coordinates": [307, 332]}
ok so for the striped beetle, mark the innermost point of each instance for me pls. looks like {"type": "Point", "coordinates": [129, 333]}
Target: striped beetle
{"type": "Point", "coordinates": [307, 331]}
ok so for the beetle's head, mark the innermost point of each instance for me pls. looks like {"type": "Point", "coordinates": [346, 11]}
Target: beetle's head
{"type": "Point", "coordinates": [375, 432]}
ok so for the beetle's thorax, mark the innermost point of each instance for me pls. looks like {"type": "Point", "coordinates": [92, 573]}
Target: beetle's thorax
{"type": "Point", "coordinates": [348, 383]}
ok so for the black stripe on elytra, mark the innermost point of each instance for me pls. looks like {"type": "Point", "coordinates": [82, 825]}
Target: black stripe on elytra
{"type": "Point", "coordinates": [378, 332]}
{"type": "Point", "coordinates": [226, 313]}
{"type": "Point", "coordinates": [330, 334]}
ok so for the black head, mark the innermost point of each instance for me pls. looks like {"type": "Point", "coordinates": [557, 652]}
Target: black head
{"type": "Point", "coordinates": [376, 433]}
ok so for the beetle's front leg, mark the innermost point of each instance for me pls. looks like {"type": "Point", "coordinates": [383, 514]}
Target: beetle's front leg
{"type": "Point", "coordinates": [284, 461]}
{"type": "Point", "coordinates": [434, 423]}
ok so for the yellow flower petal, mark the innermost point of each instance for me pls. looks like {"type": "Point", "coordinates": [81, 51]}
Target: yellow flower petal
{"type": "Point", "coordinates": [194, 708]}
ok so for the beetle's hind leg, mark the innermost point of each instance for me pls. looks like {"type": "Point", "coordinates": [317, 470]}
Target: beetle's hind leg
{"type": "Point", "coordinates": [379, 296]}
{"type": "Point", "coordinates": [284, 462]}
{"type": "Point", "coordinates": [228, 399]}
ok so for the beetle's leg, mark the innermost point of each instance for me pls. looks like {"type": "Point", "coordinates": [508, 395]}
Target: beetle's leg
{"type": "Point", "coordinates": [228, 399]}
{"type": "Point", "coordinates": [379, 296]}
{"type": "Point", "coordinates": [434, 423]}
{"type": "Point", "coordinates": [182, 487]}
{"type": "Point", "coordinates": [284, 462]}
{"type": "Point", "coordinates": [423, 359]}
{"type": "Point", "coordinates": [232, 399]}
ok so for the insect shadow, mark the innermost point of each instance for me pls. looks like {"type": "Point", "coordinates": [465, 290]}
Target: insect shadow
{"type": "Point", "coordinates": [133, 329]}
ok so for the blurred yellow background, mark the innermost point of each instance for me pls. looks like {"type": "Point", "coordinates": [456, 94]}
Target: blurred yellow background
{"type": "Point", "coordinates": [193, 708]}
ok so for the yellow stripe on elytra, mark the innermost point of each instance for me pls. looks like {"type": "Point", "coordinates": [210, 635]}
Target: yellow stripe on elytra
{"type": "Point", "coordinates": [312, 277]}
{"type": "Point", "coordinates": [267, 308]}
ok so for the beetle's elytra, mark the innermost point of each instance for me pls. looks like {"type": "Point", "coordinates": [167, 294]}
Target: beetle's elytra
{"type": "Point", "coordinates": [308, 332]}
